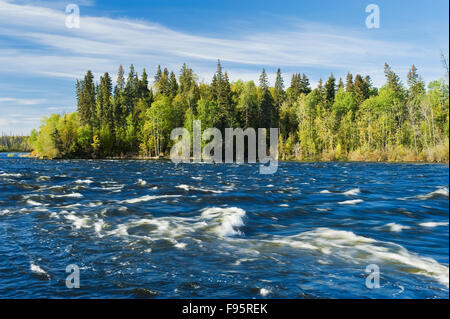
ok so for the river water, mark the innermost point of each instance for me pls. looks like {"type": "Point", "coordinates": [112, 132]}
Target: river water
{"type": "Point", "coordinates": [154, 229]}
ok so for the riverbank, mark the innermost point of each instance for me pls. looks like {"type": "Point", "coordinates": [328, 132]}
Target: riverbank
{"type": "Point", "coordinates": [352, 159]}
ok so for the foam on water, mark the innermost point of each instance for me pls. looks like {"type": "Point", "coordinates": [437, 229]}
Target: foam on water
{"type": "Point", "coordinates": [71, 195]}
{"type": "Point", "coordinates": [228, 219]}
{"type": "Point", "coordinates": [352, 192]}
{"type": "Point", "coordinates": [396, 227]}
{"type": "Point", "coordinates": [264, 292]}
{"type": "Point", "coordinates": [188, 188]}
{"type": "Point", "coordinates": [441, 191]}
{"type": "Point", "coordinates": [147, 198]}
{"type": "Point", "coordinates": [37, 270]}
{"type": "Point", "coordinates": [11, 175]}
{"type": "Point", "coordinates": [78, 222]}
{"type": "Point", "coordinates": [84, 181]}
{"type": "Point", "coordinates": [141, 182]}
{"type": "Point", "coordinates": [433, 224]}
{"type": "Point", "coordinates": [361, 250]}
{"type": "Point", "coordinates": [351, 202]}
{"type": "Point", "coordinates": [33, 203]}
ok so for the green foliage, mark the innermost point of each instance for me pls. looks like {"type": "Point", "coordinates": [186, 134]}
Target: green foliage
{"type": "Point", "coordinates": [11, 143]}
{"type": "Point", "coordinates": [352, 121]}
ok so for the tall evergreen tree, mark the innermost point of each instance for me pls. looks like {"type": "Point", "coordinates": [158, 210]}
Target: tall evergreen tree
{"type": "Point", "coordinates": [86, 99]}
{"type": "Point", "coordinates": [105, 112]}
{"type": "Point", "coordinates": [266, 104]}
{"type": "Point", "coordinates": [305, 87]}
{"type": "Point", "coordinates": [279, 95]}
{"type": "Point", "coordinates": [330, 90]}
{"type": "Point", "coordinates": [173, 85]}
{"type": "Point", "coordinates": [349, 83]}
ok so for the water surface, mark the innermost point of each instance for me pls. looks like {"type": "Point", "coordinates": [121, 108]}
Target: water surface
{"type": "Point", "coordinates": [153, 229]}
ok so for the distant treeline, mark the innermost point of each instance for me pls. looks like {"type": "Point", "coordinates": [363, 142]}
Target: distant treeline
{"type": "Point", "coordinates": [340, 119]}
{"type": "Point", "coordinates": [11, 143]}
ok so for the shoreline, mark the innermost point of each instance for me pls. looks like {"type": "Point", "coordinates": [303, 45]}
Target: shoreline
{"type": "Point", "coordinates": [166, 158]}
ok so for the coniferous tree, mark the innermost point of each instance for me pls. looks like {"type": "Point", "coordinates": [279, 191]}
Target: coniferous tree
{"type": "Point", "coordinates": [340, 85]}
{"type": "Point", "coordinates": [173, 85]}
{"type": "Point", "coordinates": [86, 99]}
{"type": "Point", "coordinates": [330, 90]}
{"type": "Point", "coordinates": [266, 104]}
{"type": "Point", "coordinates": [359, 89]}
{"type": "Point", "coordinates": [105, 112]}
{"type": "Point", "coordinates": [305, 87]}
{"type": "Point", "coordinates": [118, 98]}
{"type": "Point", "coordinates": [279, 95]}
{"type": "Point", "coordinates": [349, 83]}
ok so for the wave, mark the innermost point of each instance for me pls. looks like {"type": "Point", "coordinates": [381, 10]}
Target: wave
{"type": "Point", "coordinates": [84, 181]}
{"type": "Point", "coordinates": [264, 292]}
{"type": "Point", "coordinates": [11, 175]}
{"type": "Point", "coordinates": [71, 195]}
{"type": "Point", "coordinates": [39, 271]}
{"type": "Point", "coordinates": [141, 182]}
{"type": "Point", "coordinates": [396, 227]}
{"type": "Point", "coordinates": [189, 188]}
{"type": "Point", "coordinates": [33, 203]}
{"type": "Point", "coordinates": [78, 222]}
{"type": "Point", "coordinates": [361, 250]}
{"type": "Point", "coordinates": [351, 202]}
{"type": "Point", "coordinates": [352, 192]}
{"type": "Point", "coordinates": [228, 219]}
{"type": "Point", "coordinates": [5, 212]}
{"type": "Point", "coordinates": [440, 192]}
{"type": "Point", "coordinates": [433, 224]}
{"type": "Point", "coordinates": [147, 198]}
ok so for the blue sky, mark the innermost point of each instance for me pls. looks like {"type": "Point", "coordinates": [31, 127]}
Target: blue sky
{"type": "Point", "coordinates": [40, 58]}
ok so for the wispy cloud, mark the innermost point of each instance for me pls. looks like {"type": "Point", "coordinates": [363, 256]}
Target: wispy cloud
{"type": "Point", "coordinates": [103, 43]}
{"type": "Point", "coordinates": [36, 43]}
{"type": "Point", "coordinates": [23, 102]}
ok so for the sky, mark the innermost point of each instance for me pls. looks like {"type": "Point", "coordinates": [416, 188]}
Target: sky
{"type": "Point", "coordinates": [41, 58]}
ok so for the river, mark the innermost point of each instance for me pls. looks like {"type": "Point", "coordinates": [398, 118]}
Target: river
{"type": "Point", "coordinates": [154, 229]}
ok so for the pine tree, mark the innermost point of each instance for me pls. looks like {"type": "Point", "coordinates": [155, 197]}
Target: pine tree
{"type": "Point", "coordinates": [359, 89]}
{"type": "Point", "coordinates": [158, 74]}
{"type": "Point", "coordinates": [349, 83]}
{"type": "Point", "coordinates": [105, 113]}
{"type": "Point", "coordinates": [279, 95]}
{"type": "Point", "coordinates": [173, 85]}
{"type": "Point", "coordinates": [305, 87]}
{"type": "Point", "coordinates": [266, 104]}
{"type": "Point", "coordinates": [393, 80]}
{"type": "Point", "coordinates": [118, 97]}
{"type": "Point", "coordinates": [340, 84]}
{"type": "Point", "coordinates": [330, 90]}
{"type": "Point", "coordinates": [86, 99]}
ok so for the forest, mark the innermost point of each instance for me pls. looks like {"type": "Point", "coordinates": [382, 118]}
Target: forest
{"type": "Point", "coordinates": [340, 119]}
{"type": "Point", "coordinates": [14, 143]}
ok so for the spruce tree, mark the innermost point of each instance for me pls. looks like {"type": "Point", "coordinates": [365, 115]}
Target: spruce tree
{"type": "Point", "coordinates": [305, 87]}
{"type": "Point", "coordinates": [86, 100]}
{"type": "Point", "coordinates": [349, 83]}
{"type": "Point", "coordinates": [330, 90]}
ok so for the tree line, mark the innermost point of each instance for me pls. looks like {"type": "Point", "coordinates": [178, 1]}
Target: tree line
{"type": "Point", "coordinates": [14, 143]}
{"type": "Point", "coordinates": [337, 120]}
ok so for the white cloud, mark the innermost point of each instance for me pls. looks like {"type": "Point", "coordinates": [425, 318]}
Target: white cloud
{"type": "Point", "coordinates": [16, 101]}
{"type": "Point", "coordinates": [101, 44]}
